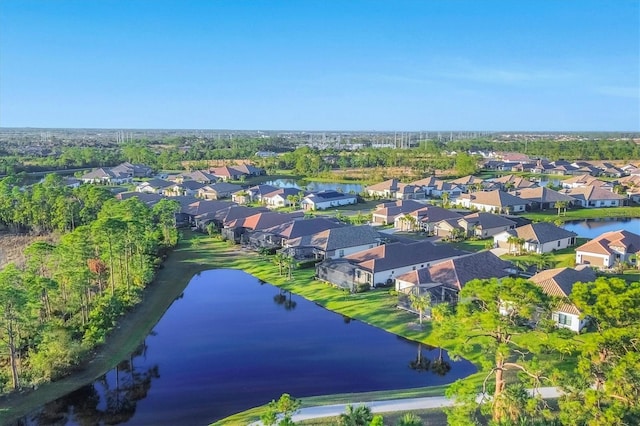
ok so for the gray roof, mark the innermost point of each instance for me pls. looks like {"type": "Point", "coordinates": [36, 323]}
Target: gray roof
{"type": "Point", "coordinates": [397, 255]}
{"type": "Point", "coordinates": [157, 183]}
{"type": "Point", "coordinates": [488, 220]}
{"type": "Point", "coordinates": [543, 194]}
{"type": "Point", "coordinates": [339, 238]}
{"type": "Point", "coordinates": [495, 198]}
{"type": "Point", "coordinates": [299, 228]}
{"type": "Point", "coordinates": [457, 272]}
{"type": "Point", "coordinates": [222, 187]}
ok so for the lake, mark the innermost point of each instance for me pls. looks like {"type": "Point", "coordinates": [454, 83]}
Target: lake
{"type": "Point", "coordinates": [593, 228]}
{"type": "Point", "coordinates": [310, 185]}
{"type": "Point", "coordinates": [232, 342]}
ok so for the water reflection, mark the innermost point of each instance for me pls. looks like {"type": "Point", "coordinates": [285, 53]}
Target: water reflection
{"type": "Point", "coordinates": [205, 346]}
{"type": "Point", "coordinates": [112, 399]}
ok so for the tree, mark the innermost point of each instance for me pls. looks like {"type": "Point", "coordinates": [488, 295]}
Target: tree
{"type": "Point", "coordinates": [543, 261]}
{"type": "Point", "coordinates": [281, 412]}
{"type": "Point", "coordinates": [420, 304]}
{"type": "Point", "coordinates": [562, 205]}
{"type": "Point", "coordinates": [13, 301]}
{"type": "Point", "coordinates": [465, 164]}
{"type": "Point", "coordinates": [359, 416]}
{"type": "Point", "coordinates": [491, 313]}
{"type": "Point", "coordinates": [377, 420]}
{"type": "Point", "coordinates": [604, 389]}
{"type": "Point", "coordinates": [280, 260]}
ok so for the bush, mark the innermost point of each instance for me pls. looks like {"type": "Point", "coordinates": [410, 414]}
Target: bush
{"type": "Point", "coordinates": [363, 287]}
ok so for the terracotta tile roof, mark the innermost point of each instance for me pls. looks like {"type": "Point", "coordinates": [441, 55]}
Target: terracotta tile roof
{"type": "Point", "coordinates": [626, 240]}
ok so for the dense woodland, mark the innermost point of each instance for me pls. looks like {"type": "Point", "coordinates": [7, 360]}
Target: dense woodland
{"type": "Point", "coordinates": [68, 296]}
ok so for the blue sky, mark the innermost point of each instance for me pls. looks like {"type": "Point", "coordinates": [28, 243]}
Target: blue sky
{"type": "Point", "coordinates": [321, 65]}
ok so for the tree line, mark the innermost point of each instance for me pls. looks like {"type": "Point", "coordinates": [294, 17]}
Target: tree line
{"type": "Point", "coordinates": [67, 296]}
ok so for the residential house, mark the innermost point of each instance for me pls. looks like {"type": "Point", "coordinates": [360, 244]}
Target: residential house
{"type": "Point", "coordinates": [481, 225]}
{"type": "Point", "coordinates": [154, 186]}
{"type": "Point", "coordinates": [198, 176]}
{"type": "Point", "coordinates": [393, 188]}
{"type": "Point", "coordinates": [149, 199]}
{"type": "Point", "coordinates": [583, 180]}
{"type": "Point", "coordinates": [133, 170]}
{"type": "Point", "coordinates": [334, 243]}
{"type": "Point", "coordinates": [559, 283]}
{"type": "Point", "coordinates": [106, 176]}
{"type": "Point", "coordinates": [423, 219]}
{"type": "Point", "coordinates": [511, 182]}
{"type": "Point", "coordinates": [186, 188]}
{"type": "Point", "coordinates": [543, 198]}
{"type": "Point", "coordinates": [227, 173]}
{"type": "Point", "coordinates": [280, 197]}
{"type": "Point", "coordinates": [323, 200]}
{"type": "Point", "coordinates": [380, 265]}
{"type": "Point", "coordinates": [298, 228]}
{"type": "Point", "coordinates": [493, 201]}
{"type": "Point", "coordinates": [235, 229]}
{"type": "Point", "coordinates": [200, 213]}
{"type": "Point", "coordinates": [442, 281]}
{"type": "Point", "coordinates": [386, 213]}
{"type": "Point", "coordinates": [217, 191]}
{"type": "Point", "coordinates": [450, 189]}
{"type": "Point", "coordinates": [467, 183]}
{"type": "Point", "coordinates": [543, 237]}
{"type": "Point", "coordinates": [250, 170]}
{"type": "Point", "coordinates": [252, 194]}
{"type": "Point", "coordinates": [593, 196]}
{"type": "Point", "coordinates": [608, 249]}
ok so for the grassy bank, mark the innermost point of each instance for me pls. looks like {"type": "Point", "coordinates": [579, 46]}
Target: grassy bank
{"type": "Point", "coordinates": [582, 214]}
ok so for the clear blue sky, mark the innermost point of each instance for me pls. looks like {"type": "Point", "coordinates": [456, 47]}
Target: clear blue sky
{"type": "Point", "coordinates": [321, 65]}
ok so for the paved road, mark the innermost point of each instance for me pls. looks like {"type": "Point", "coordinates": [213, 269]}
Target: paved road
{"type": "Point", "coordinates": [407, 404]}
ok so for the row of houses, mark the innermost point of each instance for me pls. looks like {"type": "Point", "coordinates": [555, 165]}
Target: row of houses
{"type": "Point", "coordinates": [522, 163]}
{"type": "Point", "coordinates": [126, 172]}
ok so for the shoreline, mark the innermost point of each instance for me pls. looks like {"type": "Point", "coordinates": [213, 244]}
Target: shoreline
{"type": "Point", "coordinates": [158, 296]}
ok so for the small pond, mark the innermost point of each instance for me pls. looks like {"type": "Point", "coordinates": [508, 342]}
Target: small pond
{"type": "Point", "coordinates": [310, 185]}
{"type": "Point", "coordinates": [592, 228]}
{"type": "Point", "coordinates": [232, 342]}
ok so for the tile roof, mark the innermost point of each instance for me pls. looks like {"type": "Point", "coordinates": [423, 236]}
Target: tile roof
{"type": "Point", "coordinates": [495, 198]}
{"type": "Point", "coordinates": [397, 255]}
{"type": "Point", "coordinates": [298, 228]}
{"type": "Point", "coordinates": [338, 238]}
{"type": "Point", "coordinates": [488, 220]}
{"type": "Point", "coordinates": [542, 232]}
{"type": "Point", "coordinates": [592, 193]}
{"type": "Point", "coordinates": [559, 283]}
{"type": "Point", "coordinates": [629, 241]}
{"type": "Point", "coordinates": [264, 220]}
{"type": "Point", "coordinates": [542, 194]}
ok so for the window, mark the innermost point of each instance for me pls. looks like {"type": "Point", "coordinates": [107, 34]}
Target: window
{"type": "Point", "coordinates": [558, 243]}
{"type": "Point", "coordinates": [564, 319]}
{"type": "Point", "coordinates": [341, 253]}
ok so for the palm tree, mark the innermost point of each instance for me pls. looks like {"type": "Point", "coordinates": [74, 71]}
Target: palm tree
{"type": "Point", "coordinates": [420, 304]}
{"type": "Point", "coordinates": [520, 242]}
{"type": "Point", "coordinates": [359, 416]}
{"type": "Point", "coordinates": [409, 419]}
{"type": "Point", "coordinates": [445, 199]}
{"type": "Point", "coordinates": [544, 261]}
{"type": "Point", "coordinates": [279, 259]}
{"type": "Point", "coordinates": [561, 205]}
{"type": "Point", "coordinates": [410, 221]}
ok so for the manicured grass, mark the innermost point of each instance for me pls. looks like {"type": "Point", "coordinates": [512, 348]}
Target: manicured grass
{"type": "Point", "coordinates": [472, 245]}
{"type": "Point", "coordinates": [581, 214]}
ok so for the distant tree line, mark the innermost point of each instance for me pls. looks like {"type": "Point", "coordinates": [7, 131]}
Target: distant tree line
{"type": "Point", "coordinates": [67, 297]}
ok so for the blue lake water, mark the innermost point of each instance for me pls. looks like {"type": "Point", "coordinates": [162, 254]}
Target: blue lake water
{"type": "Point", "coordinates": [317, 186]}
{"type": "Point", "coordinates": [232, 342]}
{"type": "Point", "coordinates": [593, 228]}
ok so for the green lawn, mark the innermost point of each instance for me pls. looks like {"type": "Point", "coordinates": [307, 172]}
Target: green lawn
{"type": "Point", "coordinates": [581, 214]}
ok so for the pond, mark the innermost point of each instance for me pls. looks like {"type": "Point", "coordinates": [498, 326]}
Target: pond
{"type": "Point", "coordinates": [232, 342]}
{"type": "Point", "coordinates": [593, 228]}
{"type": "Point", "coordinates": [311, 185]}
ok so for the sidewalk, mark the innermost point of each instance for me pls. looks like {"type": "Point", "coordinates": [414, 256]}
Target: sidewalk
{"type": "Point", "coordinates": [407, 404]}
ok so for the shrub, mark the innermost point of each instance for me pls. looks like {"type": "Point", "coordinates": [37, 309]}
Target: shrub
{"type": "Point", "coordinates": [363, 287]}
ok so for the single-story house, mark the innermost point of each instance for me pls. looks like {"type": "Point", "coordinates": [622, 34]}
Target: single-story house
{"type": "Point", "coordinates": [187, 188]}
{"type": "Point", "coordinates": [543, 198]}
{"type": "Point", "coordinates": [106, 176]}
{"type": "Point", "coordinates": [592, 196]}
{"type": "Point", "coordinates": [444, 280]}
{"type": "Point", "coordinates": [381, 265]}
{"type": "Point", "coordinates": [280, 197]}
{"type": "Point", "coordinates": [327, 199]}
{"type": "Point", "coordinates": [481, 225]}
{"type": "Point", "coordinates": [154, 186]}
{"type": "Point", "coordinates": [608, 249]}
{"type": "Point", "coordinates": [334, 243]}
{"type": "Point", "coordinates": [216, 191]}
{"type": "Point", "coordinates": [393, 188]}
{"type": "Point", "coordinates": [493, 201]}
{"type": "Point", "coordinates": [469, 182]}
{"type": "Point", "coordinates": [543, 237]}
{"type": "Point", "coordinates": [237, 228]}
{"type": "Point", "coordinates": [509, 182]}
{"type": "Point", "coordinates": [585, 180]}
{"type": "Point", "coordinates": [386, 213]}
{"type": "Point", "coordinates": [254, 193]}
{"type": "Point", "coordinates": [227, 173]}
{"type": "Point", "coordinates": [559, 283]}
{"type": "Point", "coordinates": [423, 219]}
